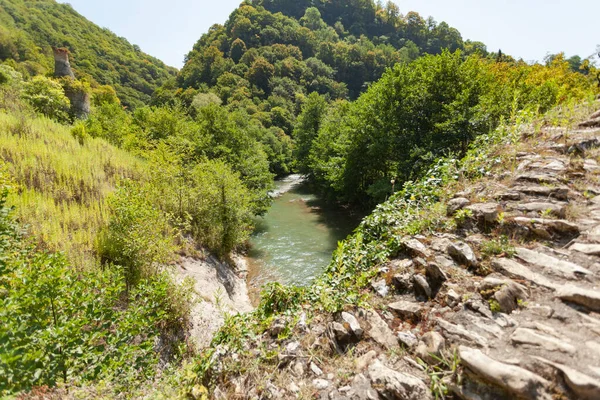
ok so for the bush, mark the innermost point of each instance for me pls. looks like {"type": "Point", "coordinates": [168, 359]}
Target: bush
{"type": "Point", "coordinates": [47, 97]}
{"type": "Point", "coordinates": [138, 236]}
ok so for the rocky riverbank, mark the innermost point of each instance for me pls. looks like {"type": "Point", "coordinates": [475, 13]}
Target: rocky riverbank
{"type": "Point", "coordinates": [504, 305]}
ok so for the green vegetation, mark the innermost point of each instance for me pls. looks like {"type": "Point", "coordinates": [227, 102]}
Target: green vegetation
{"type": "Point", "coordinates": [61, 325]}
{"type": "Point", "coordinates": [30, 28]}
{"type": "Point", "coordinates": [283, 86]}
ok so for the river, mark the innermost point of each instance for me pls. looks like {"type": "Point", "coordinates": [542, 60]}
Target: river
{"type": "Point", "coordinates": [294, 241]}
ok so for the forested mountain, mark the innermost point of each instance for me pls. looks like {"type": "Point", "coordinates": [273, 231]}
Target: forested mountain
{"type": "Point", "coordinates": [30, 28]}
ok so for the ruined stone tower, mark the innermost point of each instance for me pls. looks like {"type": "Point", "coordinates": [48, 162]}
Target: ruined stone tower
{"type": "Point", "coordinates": [62, 67]}
{"type": "Point", "coordinates": [80, 98]}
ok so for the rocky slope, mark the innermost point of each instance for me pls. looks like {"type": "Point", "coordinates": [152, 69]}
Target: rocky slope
{"type": "Point", "coordinates": [504, 305]}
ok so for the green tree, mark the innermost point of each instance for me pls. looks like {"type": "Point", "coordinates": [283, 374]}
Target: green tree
{"type": "Point", "coordinates": [260, 74]}
{"type": "Point", "coordinates": [307, 128]}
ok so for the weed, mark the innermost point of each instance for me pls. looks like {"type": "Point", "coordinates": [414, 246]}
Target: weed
{"type": "Point", "coordinates": [496, 247]}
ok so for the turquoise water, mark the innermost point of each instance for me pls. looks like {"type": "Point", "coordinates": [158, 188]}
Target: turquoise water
{"type": "Point", "coordinates": [294, 241]}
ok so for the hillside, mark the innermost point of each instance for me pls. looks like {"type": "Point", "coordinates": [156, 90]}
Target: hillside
{"type": "Point", "coordinates": [30, 28]}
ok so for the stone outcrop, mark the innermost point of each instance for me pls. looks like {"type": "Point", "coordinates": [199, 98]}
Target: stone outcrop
{"type": "Point", "coordinates": [62, 66]}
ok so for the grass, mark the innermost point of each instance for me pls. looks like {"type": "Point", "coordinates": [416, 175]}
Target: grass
{"type": "Point", "coordinates": [62, 185]}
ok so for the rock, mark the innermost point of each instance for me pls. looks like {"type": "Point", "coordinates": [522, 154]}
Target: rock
{"type": "Point", "coordinates": [320, 384]}
{"type": "Point", "coordinates": [406, 309]}
{"type": "Point", "coordinates": [421, 287]}
{"type": "Point", "coordinates": [463, 254]}
{"type": "Point", "coordinates": [537, 178]}
{"type": "Point", "coordinates": [292, 348]}
{"type": "Point", "coordinates": [315, 369]}
{"type": "Point", "coordinates": [397, 385]}
{"type": "Point", "coordinates": [595, 115]}
{"type": "Point", "coordinates": [508, 196]}
{"type": "Point", "coordinates": [339, 332]}
{"type": "Point", "coordinates": [379, 330]}
{"type": "Point", "coordinates": [456, 204]}
{"type": "Point", "coordinates": [459, 333]}
{"type": "Point", "coordinates": [589, 249]}
{"type": "Point", "coordinates": [363, 361]}
{"type": "Point", "coordinates": [435, 274]}
{"type": "Point", "coordinates": [278, 326]}
{"type": "Point", "coordinates": [581, 296]}
{"type": "Point", "coordinates": [417, 248]}
{"type": "Point", "coordinates": [564, 269]}
{"type": "Point", "coordinates": [518, 381]}
{"type": "Point", "coordinates": [485, 212]}
{"type": "Point", "coordinates": [62, 66]}
{"type": "Point", "coordinates": [514, 270]}
{"type": "Point", "coordinates": [353, 324]}
{"type": "Point", "coordinates": [541, 207]}
{"type": "Point", "coordinates": [401, 264]}
{"type": "Point", "coordinates": [403, 283]}
{"type": "Point", "coordinates": [508, 293]}
{"type": "Point", "coordinates": [556, 192]}
{"type": "Point", "coordinates": [480, 307]}
{"type": "Point", "coordinates": [430, 347]}
{"type": "Point", "coordinates": [591, 123]}
{"type": "Point", "coordinates": [380, 287]}
{"type": "Point", "coordinates": [408, 339]}
{"type": "Point", "coordinates": [585, 387]}
{"type": "Point", "coordinates": [533, 338]}
{"type": "Point", "coordinates": [298, 368]}
{"type": "Point", "coordinates": [362, 389]}
{"type": "Point", "coordinates": [556, 225]}
{"type": "Point", "coordinates": [452, 298]}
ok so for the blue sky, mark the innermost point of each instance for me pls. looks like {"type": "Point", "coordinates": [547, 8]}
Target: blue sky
{"type": "Point", "coordinates": [527, 29]}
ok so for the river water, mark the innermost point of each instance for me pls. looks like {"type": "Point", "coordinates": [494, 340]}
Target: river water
{"type": "Point", "coordinates": [293, 242]}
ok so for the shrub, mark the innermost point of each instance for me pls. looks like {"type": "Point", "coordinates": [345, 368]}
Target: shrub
{"type": "Point", "coordinates": [138, 235]}
{"type": "Point", "coordinates": [47, 97]}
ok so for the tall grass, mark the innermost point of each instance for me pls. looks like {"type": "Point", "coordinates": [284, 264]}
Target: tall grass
{"type": "Point", "coordinates": [62, 184]}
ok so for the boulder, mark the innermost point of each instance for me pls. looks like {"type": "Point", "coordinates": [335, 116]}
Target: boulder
{"type": "Point", "coordinates": [537, 339]}
{"type": "Point", "coordinates": [485, 212]}
{"type": "Point", "coordinates": [406, 309]}
{"type": "Point", "coordinates": [430, 347]}
{"type": "Point", "coordinates": [436, 275]}
{"type": "Point", "coordinates": [379, 330]}
{"type": "Point", "coordinates": [507, 292]}
{"type": "Point", "coordinates": [463, 254]}
{"type": "Point", "coordinates": [403, 282]}
{"type": "Point", "coordinates": [589, 249]}
{"type": "Point", "coordinates": [363, 361]}
{"type": "Point", "coordinates": [452, 298]}
{"type": "Point", "coordinates": [396, 385]}
{"type": "Point", "coordinates": [517, 381]}
{"type": "Point", "coordinates": [352, 324]}
{"type": "Point", "coordinates": [421, 287]}
{"type": "Point", "coordinates": [581, 296]}
{"type": "Point", "coordinates": [417, 248]}
{"type": "Point", "coordinates": [408, 339]}
{"type": "Point", "coordinates": [584, 386]}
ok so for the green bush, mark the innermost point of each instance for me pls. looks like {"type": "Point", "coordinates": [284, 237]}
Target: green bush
{"type": "Point", "coordinates": [138, 236]}
{"type": "Point", "coordinates": [47, 97]}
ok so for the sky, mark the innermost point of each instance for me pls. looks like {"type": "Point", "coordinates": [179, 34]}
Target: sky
{"type": "Point", "coordinates": [528, 29]}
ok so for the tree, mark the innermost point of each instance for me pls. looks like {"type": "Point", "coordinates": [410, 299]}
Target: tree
{"type": "Point", "coordinates": [260, 73]}
{"type": "Point", "coordinates": [238, 48]}
{"type": "Point", "coordinates": [307, 128]}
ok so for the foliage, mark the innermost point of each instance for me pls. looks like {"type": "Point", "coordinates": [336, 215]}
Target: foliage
{"type": "Point", "coordinates": [47, 97]}
{"type": "Point", "coordinates": [137, 238]}
{"type": "Point", "coordinates": [60, 324]}
{"type": "Point", "coordinates": [499, 246]}
{"type": "Point", "coordinates": [30, 29]}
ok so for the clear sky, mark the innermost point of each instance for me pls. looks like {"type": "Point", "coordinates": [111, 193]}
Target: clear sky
{"type": "Point", "coordinates": [528, 29]}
